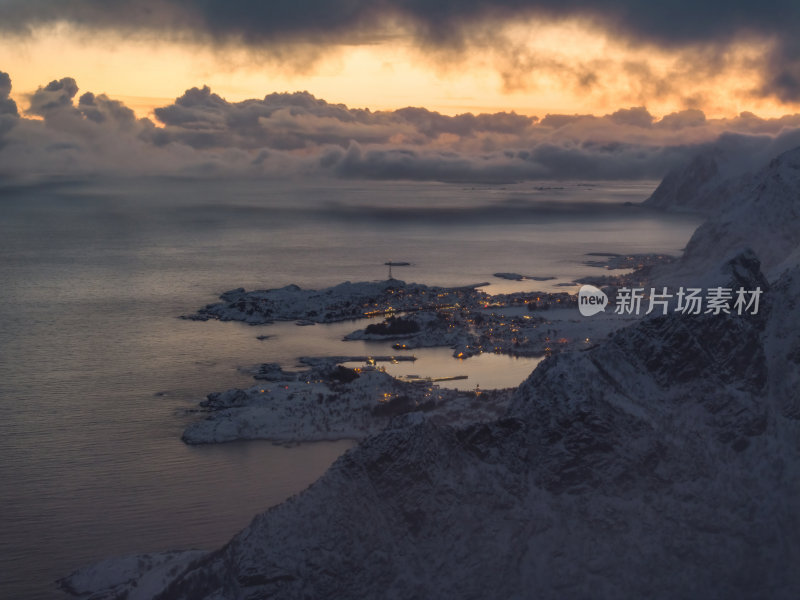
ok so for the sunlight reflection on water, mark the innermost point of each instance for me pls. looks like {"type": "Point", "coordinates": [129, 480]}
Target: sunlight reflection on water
{"type": "Point", "coordinates": [97, 372]}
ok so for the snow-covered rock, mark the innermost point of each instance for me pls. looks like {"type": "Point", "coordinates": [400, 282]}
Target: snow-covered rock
{"type": "Point", "coordinates": [703, 184]}
{"type": "Point", "coordinates": [337, 303]}
{"type": "Point", "coordinates": [138, 577]}
{"type": "Point", "coordinates": [331, 403]}
{"type": "Point", "coordinates": [760, 212]}
{"type": "Point", "coordinates": [690, 187]}
{"type": "Point", "coordinates": [661, 463]}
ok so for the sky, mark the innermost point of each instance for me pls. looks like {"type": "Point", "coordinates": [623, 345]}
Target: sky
{"type": "Point", "coordinates": [451, 90]}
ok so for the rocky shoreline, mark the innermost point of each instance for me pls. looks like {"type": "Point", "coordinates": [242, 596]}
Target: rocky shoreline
{"type": "Point", "coordinates": [327, 401]}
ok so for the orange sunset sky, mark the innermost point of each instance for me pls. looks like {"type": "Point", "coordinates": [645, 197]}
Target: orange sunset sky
{"type": "Point", "coordinates": [507, 90]}
{"type": "Point", "coordinates": [530, 64]}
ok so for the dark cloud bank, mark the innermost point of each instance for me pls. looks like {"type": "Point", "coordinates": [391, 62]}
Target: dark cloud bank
{"type": "Point", "coordinates": [444, 24]}
{"type": "Point", "coordinates": [65, 133]}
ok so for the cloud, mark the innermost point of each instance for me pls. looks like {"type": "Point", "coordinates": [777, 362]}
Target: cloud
{"type": "Point", "coordinates": [691, 117]}
{"type": "Point", "coordinates": [637, 116]}
{"type": "Point", "coordinates": [7, 106]}
{"type": "Point", "coordinates": [102, 109]}
{"type": "Point", "coordinates": [708, 27]}
{"type": "Point", "coordinates": [9, 116]}
{"type": "Point", "coordinates": [294, 121]}
{"type": "Point", "coordinates": [56, 95]}
{"type": "Point", "coordinates": [782, 77]}
{"type": "Point", "coordinates": [296, 134]}
{"type": "Point", "coordinates": [678, 22]}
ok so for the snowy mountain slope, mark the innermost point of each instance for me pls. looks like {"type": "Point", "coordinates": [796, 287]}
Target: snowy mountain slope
{"type": "Point", "coordinates": [760, 212]}
{"type": "Point", "coordinates": [318, 407]}
{"type": "Point", "coordinates": [689, 187]}
{"type": "Point", "coordinates": [703, 184]}
{"type": "Point", "coordinates": [763, 214]}
{"type": "Point", "coordinates": [122, 577]}
{"type": "Point", "coordinates": [661, 463]}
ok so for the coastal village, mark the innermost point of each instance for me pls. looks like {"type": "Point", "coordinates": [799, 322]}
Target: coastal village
{"type": "Point", "coordinates": [327, 400]}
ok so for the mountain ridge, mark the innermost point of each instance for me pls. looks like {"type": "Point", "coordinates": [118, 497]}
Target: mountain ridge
{"type": "Point", "coordinates": [674, 477]}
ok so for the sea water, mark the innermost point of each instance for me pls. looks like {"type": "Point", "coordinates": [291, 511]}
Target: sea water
{"type": "Point", "coordinates": [98, 373]}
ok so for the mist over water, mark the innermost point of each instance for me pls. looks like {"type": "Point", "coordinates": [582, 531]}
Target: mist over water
{"type": "Point", "coordinates": [97, 371]}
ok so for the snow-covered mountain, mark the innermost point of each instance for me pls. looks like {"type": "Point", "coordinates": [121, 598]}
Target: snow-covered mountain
{"type": "Point", "coordinates": [759, 211]}
{"type": "Point", "coordinates": [663, 462]}
{"type": "Point", "coordinates": [690, 186]}
{"type": "Point", "coordinates": [703, 184]}
{"type": "Point", "coordinates": [326, 403]}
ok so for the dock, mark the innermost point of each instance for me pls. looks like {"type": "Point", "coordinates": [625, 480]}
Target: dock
{"type": "Point", "coordinates": [418, 379]}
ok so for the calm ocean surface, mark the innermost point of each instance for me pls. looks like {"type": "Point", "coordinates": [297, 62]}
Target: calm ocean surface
{"type": "Point", "coordinates": [97, 371]}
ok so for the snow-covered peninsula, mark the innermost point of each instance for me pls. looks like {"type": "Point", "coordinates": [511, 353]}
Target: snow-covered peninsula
{"type": "Point", "coordinates": [670, 448]}
{"type": "Point", "coordinates": [661, 461]}
{"type": "Point", "coordinates": [328, 402]}
{"type": "Point", "coordinates": [338, 303]}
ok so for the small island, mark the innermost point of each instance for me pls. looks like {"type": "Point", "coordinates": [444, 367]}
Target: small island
{"type": "Point", "coordinates": [329, 401]}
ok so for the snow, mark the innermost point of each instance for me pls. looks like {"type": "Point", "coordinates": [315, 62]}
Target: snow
{"type": "Point", "coordinates": [662, 461]}
{"type": "Point", "coordinates": [510, 328]}
{"type": "Point", "coordinates": [317, 405]}
{"type": "Point", "coordinates": [704, 184]}
{"type": "Point", "coordinates": [138, 577]}
{"type": "Point", "coordinates": [759, 212]}
{"type": "Point", "coordinates": [338, 303]}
